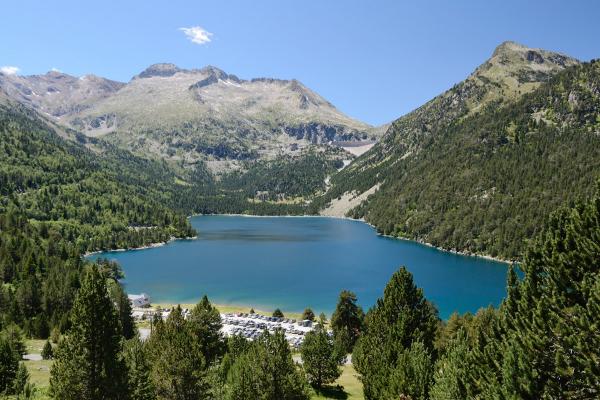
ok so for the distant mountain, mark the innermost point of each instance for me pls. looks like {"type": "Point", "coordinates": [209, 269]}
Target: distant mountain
{"type": "Point", "coordinates": [479, 167]}
{"type": "Point", "coordinates": [189, 115]}
{"type": "Point", "coordinates": [56, 94]}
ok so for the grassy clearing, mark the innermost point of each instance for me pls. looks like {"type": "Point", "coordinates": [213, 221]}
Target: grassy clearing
{"type": "Point", "coordinates": [350, 387]}
{"type": "Point", "coordinates": [34, 346]}
{"type": "Point", "coordinates": [39, 372]}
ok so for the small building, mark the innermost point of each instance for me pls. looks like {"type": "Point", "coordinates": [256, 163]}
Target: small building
{"type": "Point", "coordinates": [139, 300]}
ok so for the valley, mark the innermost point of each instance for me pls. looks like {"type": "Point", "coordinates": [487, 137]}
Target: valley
{"type": "Point", "coordinates": [109, 188]}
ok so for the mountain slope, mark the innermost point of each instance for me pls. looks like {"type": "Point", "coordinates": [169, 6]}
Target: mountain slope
{"type": "Point", "coordinates": [512, 71]}
{"type": "Point", "coordinates": [477, 168]}
{"type": "Point", "coordinates": [97, 200]}
{"type": "Point", "coordinates": [189, 115]}
{"type": "Point", "coordinates": [56, 94]}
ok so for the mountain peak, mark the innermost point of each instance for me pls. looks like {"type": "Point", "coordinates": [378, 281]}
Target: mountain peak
{"type": "Point", "coordinates": [160, 69]}
{"type": "Point", "coordinates": [510, 52]}
{"type": "Point", "coordinates": [212, 70]}
{"type": "Point", "coordinates": [56, 73]}
{"type": "Point", "coordinates": [519, 68]}
{"type": "Point", "coordinates": [509, 46]}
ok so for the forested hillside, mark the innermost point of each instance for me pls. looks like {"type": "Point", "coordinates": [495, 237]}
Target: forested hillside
{"type": "Point", "coordinates": [541, 343]}
{"type": "Point", "coordinates": [97, 201]}
{"type": "Point", "coordinates": [286, 178]}
{"type": "Point", "coordinates": [483, 181]}
{"type": "Point", "coordinates": [59, 200]}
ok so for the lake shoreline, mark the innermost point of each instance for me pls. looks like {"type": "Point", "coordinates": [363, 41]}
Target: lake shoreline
{"type": "Point", "coordinates": [369, 258]}
{"type": "Point", "coordinates": [145, 247]}
{"type": "Point", "coordinates": [228, 308]}
{"type": "Point", "coordinates": [422, 242]}
{"type": "Point", "coordinates": [457, 252]}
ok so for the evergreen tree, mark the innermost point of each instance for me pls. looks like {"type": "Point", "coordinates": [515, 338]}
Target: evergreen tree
{"type": "Point", "coordinates": [278, 313]}
{"type": "Point", "coordinates": [308, 314]}
{"type": "Point", "coordinates": [9, 364]}
{"type": "Point", "coordinates": [205, 323]}
{"type": "Point", "coordinates": [139, 381]}
{"type": "Point", "coordinates": [236, 346]}
{"type": "Point", "coordinates": [412, 375]}
{"type": "Point", "coordinates": [123, 305]}
{"type": "Point", "coordinates": [14, 335]}
{"type": "Point", "coordinates": [399, 319]}
{"type": "Point", "coordinates": [87, 362]}
{"type": "Point", "coordinates": [21, 379]}
{"type": "Point", "coordinates": [176, 359]}
{"type": "Point", "coordinates": [347, 321]}
{"type": "Point", "coordinates": [551, 326]}
{"type": "Point", "coordinates": [47, 351]}
{"type": "Point", "coordinates": [451, 370]}
{"type": "Point", "coordinates": [320, 358]}
{"type": "Point", "coordinates": [266, 371]}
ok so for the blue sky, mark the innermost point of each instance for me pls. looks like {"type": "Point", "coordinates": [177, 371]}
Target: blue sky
{"type": "Point", "coordinates": [375, 60]}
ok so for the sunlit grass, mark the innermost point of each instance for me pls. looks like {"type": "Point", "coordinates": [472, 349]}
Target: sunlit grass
{"type": "Point", "coordinates": [350, 387]}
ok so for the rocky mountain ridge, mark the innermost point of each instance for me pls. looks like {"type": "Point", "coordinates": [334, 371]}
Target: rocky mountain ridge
{"type": "Point", "coordinates": [188, 116]}
{"type": "Point", "coordinates": [56, 94]}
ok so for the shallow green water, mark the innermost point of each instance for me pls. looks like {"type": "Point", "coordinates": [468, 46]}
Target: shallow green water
{"type": "Point", "coordinates": [292, 263]}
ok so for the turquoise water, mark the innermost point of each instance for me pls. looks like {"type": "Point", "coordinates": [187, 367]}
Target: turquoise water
{"type": "Point", "coordinates": [293, 263]}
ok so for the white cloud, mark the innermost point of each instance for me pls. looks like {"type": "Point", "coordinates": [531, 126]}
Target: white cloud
{"type": "Point", "coordinates": [54, 69]}
{"type": "Point", "coordinates": [9, 70]}
{"type": "Point", "coordinates": [197, 34]}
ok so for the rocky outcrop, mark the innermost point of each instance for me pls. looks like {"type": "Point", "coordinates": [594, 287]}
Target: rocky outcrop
{"type": "Point", "coordinates": [161, 70]}
{"type": "Point", "coordinates": [320, 133]}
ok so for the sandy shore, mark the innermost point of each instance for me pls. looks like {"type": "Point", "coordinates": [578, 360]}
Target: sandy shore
{"type": "Point", "coordinates": [230, 308]}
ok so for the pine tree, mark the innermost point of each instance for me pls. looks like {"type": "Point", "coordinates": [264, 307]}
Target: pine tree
{"type": "Point", "coordinates": [139, 381]}
{"type": "Point", "coordinates": [205, 323]}
{"type": "Point", "coordinates": [266, 371]}
{"type": "Point", "coordinates": [9, 364]}
{"type": "Point", "coordinates": [87, 363]}
{"type": "Point", "coordinates": [320, 358]}
{"type": "Point", "coordinates": [47, 351]}
{"type": "Point", "coordinates": [451, 370]}
{"type": "Point", "coordinates": [308, 314]}
{"type": "Point", "coordinates": [399, 319]}
{"type": "Point", "coordinates": [347, 321]}
{"type": "Point", "coordinates": [176, 359]}
{"type": "Point", "coordinates": [278, 313]}
{"type": "Point", "coordinates": [412, 375]}
{"type": "Point", "coordinates": [550, 347]}
{"type": "Point", "coordinates": [123, 305]}
{"type": "Point", "coordinates": [21, 379]}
